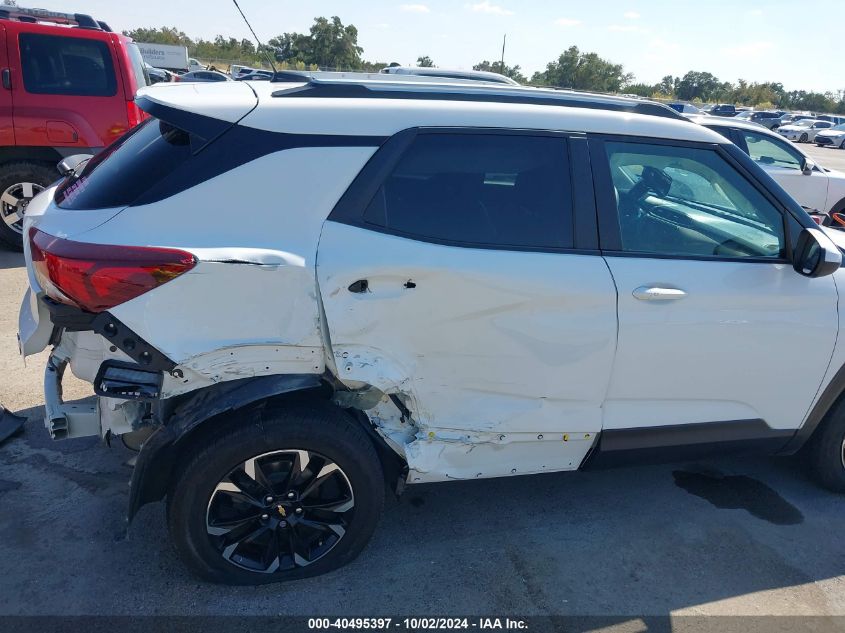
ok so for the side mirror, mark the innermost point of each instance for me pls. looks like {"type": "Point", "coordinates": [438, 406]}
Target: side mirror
{"type": "Point", "coordinates": [807, 166]}
{"type": "Point", "coordinates": [816, 255]}
{"type": "Point", "coordinates": [70, 164]}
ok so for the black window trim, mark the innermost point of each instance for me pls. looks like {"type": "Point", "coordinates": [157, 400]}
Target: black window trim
{"type": "Point", "coordinates": [610, 239]}
{"type": "Point", "coordinates": [353, 204]}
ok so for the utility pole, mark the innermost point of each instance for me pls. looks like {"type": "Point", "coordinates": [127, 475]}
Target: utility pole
{"type": "Point", "coordinates": [504, 43]}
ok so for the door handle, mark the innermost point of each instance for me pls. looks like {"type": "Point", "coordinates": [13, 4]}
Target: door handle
{"type": "Point", "coordinates": [652, 293]}
{"type": "Point", "coordinates": [7, 78]}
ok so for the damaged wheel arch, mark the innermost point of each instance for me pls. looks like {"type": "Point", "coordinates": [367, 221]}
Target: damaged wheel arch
{"type": "Point", "coordinates": [190, 418]}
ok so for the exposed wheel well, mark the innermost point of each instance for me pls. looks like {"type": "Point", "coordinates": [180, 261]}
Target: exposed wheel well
{"type": "Point", "coordinates": [169, 447]}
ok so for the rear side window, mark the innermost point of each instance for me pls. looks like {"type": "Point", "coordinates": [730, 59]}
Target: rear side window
{"type": "Point", "coordinates": [66, 66]}
{"type": "Point", "coordinates": [480, 189]}
{"type": "Point", "coordinates": [137, 64]}
{"type": "Point", "coordinates": [127, 168]}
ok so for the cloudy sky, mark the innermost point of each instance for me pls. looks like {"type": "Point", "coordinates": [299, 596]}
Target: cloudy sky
{"type": "Point", "coordinates": [776, 40]}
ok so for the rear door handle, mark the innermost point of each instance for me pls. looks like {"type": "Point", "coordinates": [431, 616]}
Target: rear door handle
{"type": "Point", "coordinates": [655, 293]}
{"type": "Point", "coordinates": [7, 78]}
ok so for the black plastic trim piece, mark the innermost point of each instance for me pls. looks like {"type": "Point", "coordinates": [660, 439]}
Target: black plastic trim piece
{"type": "Point", "coordinates": [490, 95]}
{"type": "Point", "coordinates": [137, 383]}
{"type": "Point", "coordinates": [682, 442]}
{"type": "Point", "coordinates": [182, 415]}
{"type": "Point", "coordinates": [104, 323]}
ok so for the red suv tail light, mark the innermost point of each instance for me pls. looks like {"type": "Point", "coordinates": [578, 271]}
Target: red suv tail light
{"type": "Point", "coordinates": [96, 277]}
{"type": "Point", "coordinates": [134, 114]}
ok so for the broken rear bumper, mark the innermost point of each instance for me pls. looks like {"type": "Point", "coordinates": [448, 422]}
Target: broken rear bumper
{"type": "Point", "coordinates": [66, 420]}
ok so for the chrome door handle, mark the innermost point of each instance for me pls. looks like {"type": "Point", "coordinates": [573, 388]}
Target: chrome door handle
{"type": "Point", "coordinates": [651, 293]}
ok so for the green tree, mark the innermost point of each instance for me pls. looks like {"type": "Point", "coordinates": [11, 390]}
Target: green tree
{"type": "Point", "coordinates": [514, 72]}
{"type": "Point", "coordinates": [424, 61]}
{"type": "Point", "coordinates": [162, 35]}
{"type": "Point", "coordinates": [666, 85]}
{"type": "Point", "coordinates": [701, 85]}
{"type": "Point", "coordinates": [583, 71]}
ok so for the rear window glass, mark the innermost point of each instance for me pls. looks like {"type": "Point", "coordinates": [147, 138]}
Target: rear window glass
{"type": "Point", "coordinates": [484, 189]}
{"type": "Point", "coordinates": [137, 62]}
{"type": "Point", "coordinates": [67, 66]}
{"type": "Point", "coordinates": [127, 168]}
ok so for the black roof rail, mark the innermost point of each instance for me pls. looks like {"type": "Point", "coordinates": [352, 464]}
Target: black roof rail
{"type": "Point", "coordinates": [22, 14]}
{"type": "Point", "coordinates": [495, 94]}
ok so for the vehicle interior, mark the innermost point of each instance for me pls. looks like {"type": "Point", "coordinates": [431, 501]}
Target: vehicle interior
{"type": "Point", "coordinates": [678, 206]}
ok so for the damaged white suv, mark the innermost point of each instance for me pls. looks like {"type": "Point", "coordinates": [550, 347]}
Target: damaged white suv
{"type": "Point", "coordinates": [441, 282]}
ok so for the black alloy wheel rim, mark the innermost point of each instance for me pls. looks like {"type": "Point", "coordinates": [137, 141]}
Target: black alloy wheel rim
{"type": "Point", "coordinates": [280, 511]}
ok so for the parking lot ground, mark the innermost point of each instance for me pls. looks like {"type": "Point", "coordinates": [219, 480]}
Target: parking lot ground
{"type": "Point", "coordinates": [826, 156]}
{"type": "Point", "coordinates": [734, 536]}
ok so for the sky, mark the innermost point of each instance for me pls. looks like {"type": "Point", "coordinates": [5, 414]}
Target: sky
{"type": "Point", "coordinates": [776, 40]}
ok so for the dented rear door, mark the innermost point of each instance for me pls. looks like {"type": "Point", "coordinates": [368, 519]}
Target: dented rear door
{"type": "Point", "coordinates": [459, 280]}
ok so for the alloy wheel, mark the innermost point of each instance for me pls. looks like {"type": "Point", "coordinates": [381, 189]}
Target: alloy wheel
{"type": "Point", "coordinates": [280, 511]}
{"type": "Point", "coordinates": [14, 201]}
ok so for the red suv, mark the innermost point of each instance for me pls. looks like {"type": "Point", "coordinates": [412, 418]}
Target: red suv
{"type": "Point", "coordinates": [68, 87]}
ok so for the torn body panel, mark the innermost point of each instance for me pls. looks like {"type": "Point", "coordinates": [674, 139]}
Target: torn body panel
{"type": "Point", "coordinates": [437, 454]}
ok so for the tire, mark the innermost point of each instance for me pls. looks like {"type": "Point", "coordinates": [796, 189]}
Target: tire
{"type": "Point", "coordinates": [19, 182]}
{"type": "Point", "coordinates": [825, 452]}
{"type": "Point", "coordinates": [270, 447]}
{"type": "Point", "coordinates": [804, 138]}
{"type": "Point", "coordinates": [842, 145]}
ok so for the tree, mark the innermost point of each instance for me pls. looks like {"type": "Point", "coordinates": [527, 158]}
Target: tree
{"type": "Point", "coordinates": [424, 61]}
{"type": "Point", "coordinates": [514, 72]}
{"type": "Point", "coordinates": [666, 85]}
{"type": "Point", "coordinates": [162, 35]}
{"type": "Point", "coordinates": [584, 71]}
{"type": "Point", "coordinates": [698, 85]}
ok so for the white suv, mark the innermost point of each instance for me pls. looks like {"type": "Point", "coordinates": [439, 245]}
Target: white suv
{"type": "Point", "coordinates": [439, 282]}
{"type": "Point", "coordinates": [814, 187]}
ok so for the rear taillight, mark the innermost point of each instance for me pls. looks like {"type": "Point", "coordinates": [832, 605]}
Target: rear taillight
{"type": "Point", "coordinates": [96, 277]}
{"type": "Point", "coordinates": [134, 114]}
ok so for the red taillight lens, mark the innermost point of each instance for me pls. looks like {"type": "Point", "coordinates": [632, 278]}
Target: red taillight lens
{"type": "Point", "coordinates": [134, 114]}
{"type": "Point", "coordinates": [96, 277]}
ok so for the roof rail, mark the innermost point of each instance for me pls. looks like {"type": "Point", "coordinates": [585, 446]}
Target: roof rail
{"type": "Point", "coordinates": [22, 14]}
{"type": "Point", "coordinates": [454, 91]}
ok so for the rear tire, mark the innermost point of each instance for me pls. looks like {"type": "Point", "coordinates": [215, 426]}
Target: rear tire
{"type": "Point", "coordinates": [19, 183]}
{"type": "Point", "coordinates": [266, 476]}
{"type": "Point", "coordinates": [825, 452]}
{"type": "Point", "coordinates": [842, 145]}
{"type": "Point", "coordinates": [804, 138]}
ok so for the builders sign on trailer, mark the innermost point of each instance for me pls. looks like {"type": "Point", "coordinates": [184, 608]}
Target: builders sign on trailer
{"type": "Point", "coordinates": [165, 56]}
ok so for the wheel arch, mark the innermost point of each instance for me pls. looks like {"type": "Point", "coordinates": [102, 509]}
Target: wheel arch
{"type": "Point", "coordinates": [206, 411]}
{"type": "Point", "coordinates": [186, 418]}
{"type": "Point", "coordinates": [831, 398]}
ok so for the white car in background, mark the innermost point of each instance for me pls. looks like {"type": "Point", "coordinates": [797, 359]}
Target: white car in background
{"type": "Point", "coordinates": [832, 137]}
{"type": "Point", "coordinates": [814, 187]}
{"type": "Point", "coordinates": [805, 130]}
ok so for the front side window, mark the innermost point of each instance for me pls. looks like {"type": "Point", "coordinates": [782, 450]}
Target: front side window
{"type": "Point", "coordinates": [771, 151]}
{"type": "Point", "coordinates": [480, 189]}
{"type": "Point", "coordinates": [690, 202]}
{"type": "Point", "coordinates": [66, 66]}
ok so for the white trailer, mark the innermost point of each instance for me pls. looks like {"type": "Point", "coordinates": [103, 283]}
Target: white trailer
{"type": "Point", "coordinates": [165, 56]}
